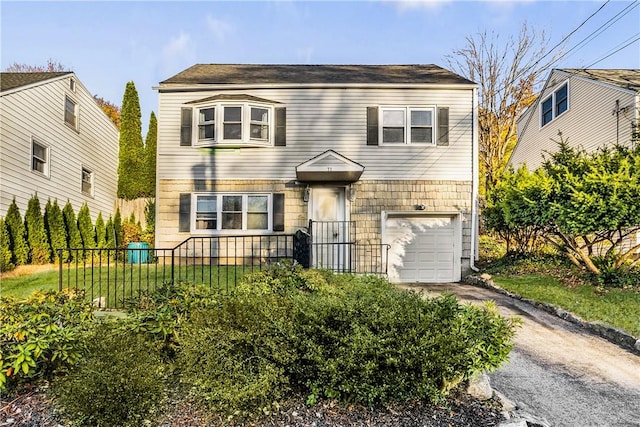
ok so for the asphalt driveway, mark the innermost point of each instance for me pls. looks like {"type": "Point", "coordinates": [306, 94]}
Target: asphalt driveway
{"type": "Point", "coordinates": [557, 370]}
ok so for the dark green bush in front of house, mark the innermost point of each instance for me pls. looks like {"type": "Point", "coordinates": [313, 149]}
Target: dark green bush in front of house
{"type": "Point", "coordinates": [39, 250]}
{"type": "Point", "coordinates": [54, 225]}
{"type": "Point", "coordinates": [17, 235]}
{"type": "Point", "coordinates": [5, 249]}
{"type": "Point", "coordinates": [74, 241]}
{"type": "Point", "coordinates": [119, 381]}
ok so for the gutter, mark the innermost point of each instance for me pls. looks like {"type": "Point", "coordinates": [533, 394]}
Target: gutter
{"type": "Point", "coordinates": [474, 181]}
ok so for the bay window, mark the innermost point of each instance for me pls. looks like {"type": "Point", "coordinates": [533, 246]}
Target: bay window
{"type": "Point", "coordinates": [233, 124]}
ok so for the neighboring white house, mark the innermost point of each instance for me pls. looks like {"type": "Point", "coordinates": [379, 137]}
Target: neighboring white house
{"type": "Point", "coordinates": [263, 149]}
{"type": "Point", "coordinates": [56, 142]}
{"type": "Point", "coordinates": [592, 108]}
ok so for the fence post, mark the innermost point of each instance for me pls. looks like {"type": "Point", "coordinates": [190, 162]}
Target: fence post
{"type": "Point", "coordinates": [172, 265]}
{"type": "Point", "coordinates": [59, 270]}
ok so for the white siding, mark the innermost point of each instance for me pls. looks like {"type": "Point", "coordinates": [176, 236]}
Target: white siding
{"type": "Point", "coordinates": [38, 112]}
{"type": "Point", "coordinates": [319, 119]}
{"type": "Point", "coordinates": [589, 122]}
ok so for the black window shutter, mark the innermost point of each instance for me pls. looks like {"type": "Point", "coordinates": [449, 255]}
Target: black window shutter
{"type": "Point", "coordinates": [281, 127]}
{"type": "Point", "coordinates": [278, 212]}
{"type": "Point", "coordinates": [443, 126]}
{"type": "Point", "coordinates": [185, 212]}
{"type": "Point", "coordinates": [185, 127]}
{"type": "Point", "coordinates": [372, 125]}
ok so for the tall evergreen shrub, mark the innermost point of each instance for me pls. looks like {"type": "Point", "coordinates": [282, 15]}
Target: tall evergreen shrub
{"type": "Point", "coordinates": [54, 225]}
{"type": "Point", "coordinates": [118, 229]}
{"type": "Point", "coordinates": [87, 232]}
{"type": "Point", "coordinates": [110, 235]}
{"type": "Point", "coordinates": [36, 235]}
{"type": "Point", "coordinates": [150, 149]}
{"type": "Point", "coordinates": [73, 234]}
{"type": "Point", "coordinates": [17, 235]}
{"type": "Point", "coordinates": [101, 237]}
{"type": "Point", "coordinates": [131, 157]}
{"type": "Point", "coordinates": [5, 251]}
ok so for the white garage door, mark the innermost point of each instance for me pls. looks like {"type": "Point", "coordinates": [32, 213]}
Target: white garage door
{"type": "Point", "coordinates": [423, 249]}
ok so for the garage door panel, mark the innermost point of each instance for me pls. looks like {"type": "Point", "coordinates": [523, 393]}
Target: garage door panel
{"type": "Point", "coordinates": [422, 249]}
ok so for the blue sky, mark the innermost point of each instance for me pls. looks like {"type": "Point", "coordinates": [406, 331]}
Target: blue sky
{"type": "Point", "coordinates": [108, 44]}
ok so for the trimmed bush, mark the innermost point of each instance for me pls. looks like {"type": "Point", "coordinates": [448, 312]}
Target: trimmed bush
{"type": "Point", "coordinates": [101, 232]}
{"type": "Point", "coordinates": [118, 232]}
{"type": "Point", "coordinates": [39, 249]}
{"type": "Point", "coordinates": [119, 381]}
{"type": "Point", "coordinates": [17, 235]}
{"type": "Point", "coordinates": [54, 225]}
{"type": "Point", "coordinates": [5, 250]}
{"type": "Point", "coordinates": [40, 334]}
{"type": "Point", "coordinates": [87, 232]}
{"type": "Point", "coordinates": [71, 227]}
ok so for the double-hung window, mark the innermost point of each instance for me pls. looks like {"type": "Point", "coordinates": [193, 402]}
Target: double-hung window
{"type": "Point", "coordinates": [39, 158]}
{"type": "Point", "coordinates": [233, 212]}
{"type": "Point", "coordinates": [234, 124]}
{"type": "Point", "coordinates": [407, 125]}
{"type": "Point", "coordinates": [71, 112]}
{"type": "Point", "coordinates": [554, 105]}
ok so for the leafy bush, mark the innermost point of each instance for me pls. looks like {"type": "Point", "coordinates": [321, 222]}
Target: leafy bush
{"type": "Point", "coordinates": [40, 334]}
{"type": "Point", "coordinates": [117, 382]}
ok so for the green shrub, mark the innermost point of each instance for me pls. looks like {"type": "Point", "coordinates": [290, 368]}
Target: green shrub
{"type": "Point", "coordinates": [40, 334]}
{"type": "Point", "coordinates": [17, 235]}
{"type": "Point", "coordinates": [87, 232]}
{"type": "Point", "coordinates": [54, 225]}
{"type": "Point", "coordinates": [74, 241]}
{"type": "Point", "coordinates": [36, 234]}
{"type": "Point", "coordinates": [118, 382]}
{"type": "Point", "coordinates": [5, 249]}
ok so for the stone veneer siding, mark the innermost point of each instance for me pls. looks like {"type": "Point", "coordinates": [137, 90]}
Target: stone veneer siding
{"type": "Point", "coordinates": [372, 197]}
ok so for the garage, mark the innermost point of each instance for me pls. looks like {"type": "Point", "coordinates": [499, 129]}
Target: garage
{"type": "Point", "coordinates": [424, 248]}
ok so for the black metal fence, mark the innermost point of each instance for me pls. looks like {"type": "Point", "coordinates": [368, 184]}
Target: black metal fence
{"type": "Point", "coordinates": [110, 276]}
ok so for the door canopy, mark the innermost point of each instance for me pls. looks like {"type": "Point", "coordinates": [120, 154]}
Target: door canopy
{"type": "Point", "coordinates": [329, 166]}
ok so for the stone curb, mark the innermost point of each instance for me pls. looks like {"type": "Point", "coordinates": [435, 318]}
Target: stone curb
{"type": "Point", "coordinates": [611, 334]}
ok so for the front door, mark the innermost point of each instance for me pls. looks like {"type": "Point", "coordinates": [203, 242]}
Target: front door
{"type": "Point", "coordinates": [330, 231]}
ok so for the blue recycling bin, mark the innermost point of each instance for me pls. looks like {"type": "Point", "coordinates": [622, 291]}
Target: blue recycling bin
{"type": "Point", "coordinates": [138, 253]}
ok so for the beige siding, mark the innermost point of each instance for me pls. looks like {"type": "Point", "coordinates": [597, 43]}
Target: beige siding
{"type": "Point", "coordinates": [38, 112]}
{"type": "Point", "coordinates": [319, 120]}
{"type": "Point", "coordinates": [589, 122]}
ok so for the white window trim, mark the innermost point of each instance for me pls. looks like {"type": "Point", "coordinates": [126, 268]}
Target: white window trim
{"type": "Point", "coordinates": [407, 124]}
{"type": "Point", "coordinates": [47, 165]}
{"type": "Point", "coordinates": [93, 180]}
{"type": "Point", "coordinates": [552, 96]}
{"type": "Point", "coordinates": [219, 230]}
{"type": "Point", "coordinates": [246, 140]}
{"type": "Point", "coordinates": [76, 112]}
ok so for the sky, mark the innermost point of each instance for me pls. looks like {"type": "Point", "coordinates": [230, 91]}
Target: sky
{"type": "Point", "coordinates": [109, 43]}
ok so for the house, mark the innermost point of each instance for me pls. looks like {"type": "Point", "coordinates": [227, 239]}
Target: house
{"type": "Point", "coordinates": [56, 142]}
{"type": "Point", "coordinates": [376, 156]}
{"type": "Point", "coordinates": [591, 108]}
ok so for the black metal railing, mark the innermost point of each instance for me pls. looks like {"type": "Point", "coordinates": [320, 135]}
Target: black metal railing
{"type": "Point", "coordinates": [110, 276]}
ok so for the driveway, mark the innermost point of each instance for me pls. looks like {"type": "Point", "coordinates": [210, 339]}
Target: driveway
{"type": "Point", "coordinates": [558, 371]}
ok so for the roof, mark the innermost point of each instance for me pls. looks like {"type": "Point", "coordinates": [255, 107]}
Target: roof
{"type": "Point", "coordinates": [625, 78]}
{"type": "Point", "coordinates": [14, 80]}
{"type": "Point", "coordinates": [228, 74]}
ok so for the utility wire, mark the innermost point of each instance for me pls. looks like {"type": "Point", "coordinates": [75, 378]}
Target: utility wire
{"type": "Point", "coordinates": [615, 51]}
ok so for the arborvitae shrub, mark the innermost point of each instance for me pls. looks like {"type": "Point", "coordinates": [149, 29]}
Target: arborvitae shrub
{"type": "Point", "coordinates": [150, 149]}
{"type": "Point", "coordinates": [101, 237]}
{"type": "Point", "coordinates": [87, 232]}
{"type": "Point", "coordinates": [5, 251]}
{"type": "Point", "coordinates": [54, 225]}
{"type": "Point", "coordinates": [36, 235]}
{"type": "Point", "coordinates": [131, 158]}
{"type": "Point", "coordinates": [73, 234]}
{"type": "Point", "coordinates": [17, 235]}
{"type": "Point", "coordinates": [109, 232]}
{"type": "Point", "coordinates": [117, 228]}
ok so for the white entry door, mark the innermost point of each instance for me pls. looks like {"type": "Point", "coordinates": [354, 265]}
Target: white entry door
{"type": "Point", "coordinates": [330, 230]}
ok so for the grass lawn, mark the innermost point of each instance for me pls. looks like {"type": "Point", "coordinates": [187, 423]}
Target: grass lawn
{"type": "Point", "coordinates": [116, 282]}
{"type": "Point", "coordinates": [616, 307]}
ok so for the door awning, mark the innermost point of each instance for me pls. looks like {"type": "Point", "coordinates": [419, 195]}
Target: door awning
{"type": "Point", "coordinates": [329, 166]}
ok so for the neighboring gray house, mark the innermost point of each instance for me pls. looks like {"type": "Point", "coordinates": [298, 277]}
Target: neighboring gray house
{"type": "Point", "coordinates": [55, 141]}
{"type": "Point", "coordinates": [592, 108]}
{"type": "Point", "coordinates": [376, 154]}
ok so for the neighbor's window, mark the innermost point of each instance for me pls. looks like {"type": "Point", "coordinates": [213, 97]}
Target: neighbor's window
{"type": "Point", "coordinates": [407, 125]}
{"type": "Point", "coordinates": [39, 158]}
{"type": "Point", "coordinates": [87, 181]}
{"type": "Point", "coordinates": [225, 123]}
{"type": "Point", "coordinates": [235, 212]}
{"type": "Point", "coordinates": [71, 112]}
{"type": "Point", "coordinates": [554, 105]}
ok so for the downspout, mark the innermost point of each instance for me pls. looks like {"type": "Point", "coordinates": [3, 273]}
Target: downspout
{"type": "Point", "coordinates": [474, 180]}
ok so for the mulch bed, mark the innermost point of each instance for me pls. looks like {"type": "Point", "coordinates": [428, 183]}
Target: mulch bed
{"type": "Point", "coordinates": [33, 408]}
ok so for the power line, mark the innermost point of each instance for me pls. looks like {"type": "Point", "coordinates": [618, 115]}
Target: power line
{"type": "Point", "coordinates": [615, 51]}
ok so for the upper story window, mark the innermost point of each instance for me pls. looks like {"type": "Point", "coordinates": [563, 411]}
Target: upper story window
{"type": "Point", "coordinates": [71, 112]}
{"type": "Point", "coordinates": [554, 105]}
{"type": "Point", "coordinates": [407, 125]}
{"type": "Point", "coordinates": [39, 157]}
{"type": "Point", "coordinates": [233, 124]}
{"type": "Point", "coordinates": [87, 182]}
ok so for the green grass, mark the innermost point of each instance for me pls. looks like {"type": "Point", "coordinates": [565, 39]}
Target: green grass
{"type": "Point", "coordinates": [116, 283]}
{"type": "Point", "coordinates": [616, 307]}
